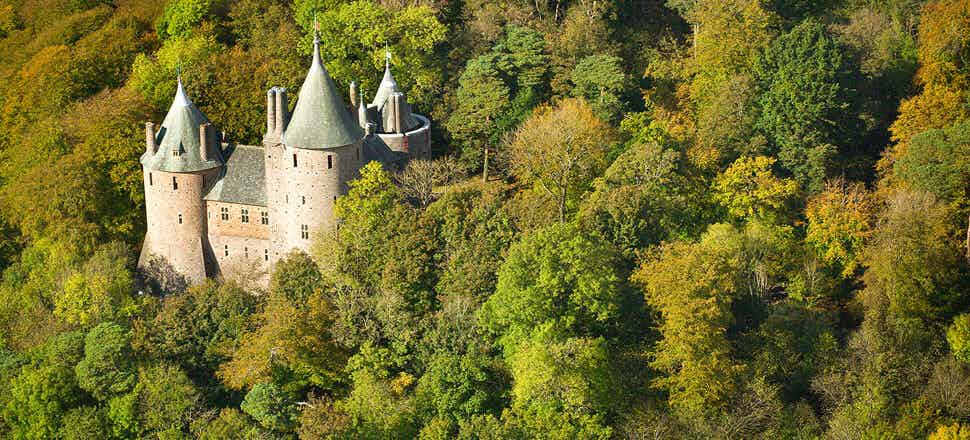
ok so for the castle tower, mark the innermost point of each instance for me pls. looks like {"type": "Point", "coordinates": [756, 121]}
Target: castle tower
{"type": "Point", "coordinates": [399, 130]}
{"type": "Point", "coordinates": [181, 160]}
{"type": "Point", "coordinates": [318, 152]}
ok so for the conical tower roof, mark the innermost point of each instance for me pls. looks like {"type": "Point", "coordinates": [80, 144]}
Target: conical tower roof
{"type": "Point", "coordinates": [388, 86]}
{"type": "Point", "coordinates": [178, 139]}
{"type": "Point", "coordinates": [320, 119]}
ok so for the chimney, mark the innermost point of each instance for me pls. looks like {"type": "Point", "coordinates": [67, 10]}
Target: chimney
{"type": "Point", "coordinates": [204, 132]}
{"type": "Point", "coordinates": [353, 94]}
{"type": "Point", "coordinates": [370, 129]}
{"type": "Point", "coordinates": [150, 146]}
{"type": "Point", "coordinates": [271, 111]}
{"type": "Point", "coordinates": [396, 103]}
{"type": "Point", "coordinates": [281, 113]}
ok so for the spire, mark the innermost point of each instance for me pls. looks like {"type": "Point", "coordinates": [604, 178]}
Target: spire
{"type": "Point", "coordinates": [180, 141]}
{"type": "Point", "coordinates": [321, 119]}
{"type": "Point", "coordinates": [388, 86]}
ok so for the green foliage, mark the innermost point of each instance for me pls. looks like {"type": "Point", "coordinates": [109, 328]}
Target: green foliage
{"type": "Point", "coordinates": [958, 336]}
{"type": "Point", "coordinates": [354, 37]}
{"type": "Point", "coordinates": [163, 401]}
{"type": "Point", "coordinates": [554, 277]}
{"type": "Point", "coordinates": [938, 161]}
{"type": "Point", "coordinates": [182, 16]}
{"type": "Point", "coordinates": [806, 108]}
{"type": "Point", "coordinates": [271, 407]}
{"type": "Point", "coordinates": [108, 367]}
{"type": "Point", "coordinates": [600, 80]}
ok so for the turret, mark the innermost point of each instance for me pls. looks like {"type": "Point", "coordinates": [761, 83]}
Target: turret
{"type": "Point", "coordinates": [321, 151]}
{"type": "Point", "coordinates": [180, 160]}
{"type": "Point", "coordinates": [353, 94]}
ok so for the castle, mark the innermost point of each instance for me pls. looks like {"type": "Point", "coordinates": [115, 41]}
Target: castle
{"type": "Point", "coordinates": [212, 204]}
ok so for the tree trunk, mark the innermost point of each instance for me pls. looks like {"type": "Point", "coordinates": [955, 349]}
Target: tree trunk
{"type": "Point", "coordinates": [968, 240]}
{"type": "Point", "coordinates": [485, 166]}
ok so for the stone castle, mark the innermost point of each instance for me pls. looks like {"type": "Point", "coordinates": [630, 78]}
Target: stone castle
{"type": "Point", "coordinates": [213, 205]}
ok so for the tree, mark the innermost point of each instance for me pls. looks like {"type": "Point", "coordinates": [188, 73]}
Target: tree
{"type": "Point", "coordinates": [182, 16]}
{"type": "Point", "coordinates": [84, 423]}
{"type": "Point", "coordinates": [482, 98]}
{"type": "Point", "coordinates": [355, 34]}
{"type": "Point", "coordinates": [456, 387]}
{"type": "Point", "coordinates": [271, 407]}
{"type": "Point", "coordinates": [601, 81]}
{"type": "Point", "coordinates": [562, 388]}
{"type": "Point", "coordinates": [840, 220]}
{"type": "Point", "coordinates": [638, 200]}
{"type": "Point", "coordinates": [108, 367]}
{"type": "Point", "coordinates": [806, 108]}
{"type": "Point", "coordinates": [45, 390]}
{"type": "Point", "coordinates": [163, 401]}
{"type": "Point", "coordinates": [101, 290]}
{"type": "Point", "coordinates": [420, 179]}
{"type": "Point", "coordinates": [692, 287]}
{"type": "Point", "coordinates": [560, 150]}
{"type": "Point", "coordinates": [944, 74]}
{"type": "Point", "coordinates": [554, 276]}
{"type": "Point", "coordinates": [749, 189]}
{"type": "Point", "coordinates": [914, 271]}
{"type": "Point", "coordinates": [955, 431]}
{"type": "Point", "coordinates": [958, 335]}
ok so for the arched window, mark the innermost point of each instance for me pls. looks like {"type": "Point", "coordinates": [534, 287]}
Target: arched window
{"type": "Point", "coordinates": [303, 200]}
{"type": "Point", "coordinates": [180, 219]}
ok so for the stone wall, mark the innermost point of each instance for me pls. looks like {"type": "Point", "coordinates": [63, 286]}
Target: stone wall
{"type": "Point", "coordinates": [416, 143]}
{"type": "Point", "coordinates": [176, 220]}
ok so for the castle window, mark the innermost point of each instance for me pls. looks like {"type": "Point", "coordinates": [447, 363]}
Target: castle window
{"type": "Point", "coordinates": [266, 254]}
{"type": "Point", "coordinates": [175, 183]}
{"type": "Point", "coordinates": [329, 161]}
{"type": "Point", "coordinates": [245, 215]}
{"type": "Point", "coordinates": [150, 179]}
{"type": "Point", "coordinates": [304, 232]}
{"type": "Point", "coordinates": [180, 219]}
{"type": "Point", "coordinates": [246, 252]}
{"type": "Point", "coordinates": [177, 150]}
{"type": "Point", "coordinates": [264, 218]}
{"type": "Point", "coordinates": [224, 213]}
{"type": "Point", "coordinates": [335, 199]}
{"type": "Point", "coordinates": [303, 200]}
{"type": "Point", "coordinates": [227, 250]}
{"type": "Point", "coordinates": [294, 160]}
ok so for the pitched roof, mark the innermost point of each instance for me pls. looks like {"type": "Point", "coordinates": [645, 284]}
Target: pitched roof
{"type": "Point", "coordinates": [387, 88]}
{"type": "Point", "coordinates": [180, 132]}
{"type": "Point", "coordinates": [244, 179]}
{"type": "Point", "coordinates": [320, 119]}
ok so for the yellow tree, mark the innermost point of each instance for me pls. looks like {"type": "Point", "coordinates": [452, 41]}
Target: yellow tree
{"type": "Point", "coordinates": [840, 220]}
{"type": "Point", "coordinates": [944, 76]}
{"type": "Point", "coordinates": [561, 150]}
{"type": "Point", "coordinates": [692, 286]}
{"type": "Point", "coordinates": [749, 189]}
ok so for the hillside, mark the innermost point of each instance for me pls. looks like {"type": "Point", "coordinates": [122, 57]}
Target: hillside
{"type": "Point", "coordinates": [727, 219]}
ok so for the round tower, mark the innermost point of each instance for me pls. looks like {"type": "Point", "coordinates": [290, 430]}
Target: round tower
{"type": "Point", "coordinates": [182, 158]}
{"type": "Point", "coordinates": [321, 151]}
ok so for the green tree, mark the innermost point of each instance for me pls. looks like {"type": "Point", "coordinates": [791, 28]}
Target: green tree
{"type": "Point", "coordinates": [601, 81]}
{"type": "Point", "coordinates": [108, 367]}
{"type": "Point", "coordinates": [807, 109]}
{"type": "Point", "coordinates": [271, 407]}
{"type": "Point", "coordinates": [958, 335]}
{"type": "Point", "coordinates": [45, 390]}
{"type": "Point", "coordinates": [84, 423]}
{"type": "Point", "coordinates": [182, 16]}
{"type": "Point", "coordinates": [163, 401]}
{"type": "Point", "coordinates": [554, 276]}
{"type": "Point", "coordinates": [562, 387]}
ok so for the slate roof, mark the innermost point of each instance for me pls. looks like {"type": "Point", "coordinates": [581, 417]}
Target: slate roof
{"type": "Point", "coordinates": [180, 130]}
{"type": "Point", "coordinates": [321, 119]}
{"type": "Point", "coordinates": [376, 150]}
{"type": "Point", "coordinates": [387, 88]}
{"type": "Point", "coordinates": [244, 178]}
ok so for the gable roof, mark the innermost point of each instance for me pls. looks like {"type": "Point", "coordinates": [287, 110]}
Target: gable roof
{"type": "Point", "coordinates": [244, 179]}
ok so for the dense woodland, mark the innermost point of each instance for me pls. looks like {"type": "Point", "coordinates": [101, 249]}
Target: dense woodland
{"type": "Point", "coordinates": [726, 219]}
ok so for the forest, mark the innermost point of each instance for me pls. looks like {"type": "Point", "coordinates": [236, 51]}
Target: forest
{"type": "Point", "coordinates": [644, 219]}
